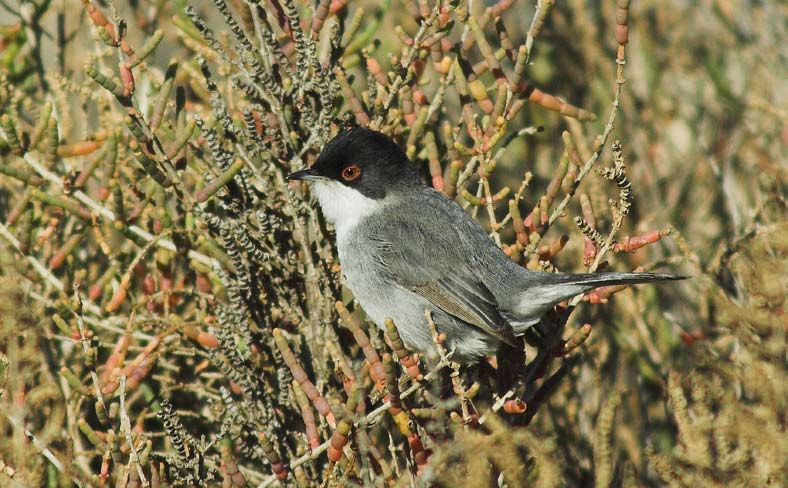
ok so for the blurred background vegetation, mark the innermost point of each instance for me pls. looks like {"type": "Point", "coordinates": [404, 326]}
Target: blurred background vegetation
{"type": "Point", "coordinates": [167, 300]}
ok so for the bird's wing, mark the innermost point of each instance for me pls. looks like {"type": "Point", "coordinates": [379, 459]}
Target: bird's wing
{"type": "Point", "coordinates": [439, 265]}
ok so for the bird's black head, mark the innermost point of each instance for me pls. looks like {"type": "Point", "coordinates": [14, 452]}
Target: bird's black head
{"type": "Point", "coordinates": [363, 159]}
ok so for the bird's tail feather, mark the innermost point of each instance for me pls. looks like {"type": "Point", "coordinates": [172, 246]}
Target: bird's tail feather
{"type": "Point", "coordinates": [552, 288]}
{"type": "Point", "coordinates": [589, 281]}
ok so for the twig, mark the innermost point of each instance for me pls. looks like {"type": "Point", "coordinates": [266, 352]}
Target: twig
{"type": "Point", "coordinates": [35, 263]}
{"type": "Point", "coordinates": [44, 272]}
{"type": "Point", "coordinates": [599, 145]}
{"type": "Point", "coordinates": [42, 448]}
{"type": "Point", "coordinates": [108, 214]}
{"type": "Point", "coordinates": [125, 425]}
{"type": "Point", "coordinates": [369, 418]}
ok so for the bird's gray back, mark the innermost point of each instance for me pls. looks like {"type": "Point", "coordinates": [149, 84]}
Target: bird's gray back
{"type": "Point", "coordinates": [423, 251]}
{"type": "Point", "coordinates": [428, 255]}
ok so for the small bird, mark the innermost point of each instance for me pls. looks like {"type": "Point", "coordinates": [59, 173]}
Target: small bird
{"type": "Point", "coordinates": [406, 248]}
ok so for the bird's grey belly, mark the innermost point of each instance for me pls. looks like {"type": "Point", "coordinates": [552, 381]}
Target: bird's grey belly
{"type": "Point", "coordinates": [382, 298]}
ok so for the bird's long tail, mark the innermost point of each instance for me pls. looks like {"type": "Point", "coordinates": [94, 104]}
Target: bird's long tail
{"type": "Point", "coordinates": [540, 295]}
{"type": "Point", "coordinates": [588, 281]}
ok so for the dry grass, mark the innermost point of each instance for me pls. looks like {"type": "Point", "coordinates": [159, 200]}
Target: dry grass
{"type": "Point", "coordinates": [168, 302]}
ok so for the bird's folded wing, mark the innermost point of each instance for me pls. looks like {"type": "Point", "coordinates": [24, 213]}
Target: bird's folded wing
{"type": "Point", "coordinates": [467, 306]}
{"type": "Point", "coordinates": [435, 268]}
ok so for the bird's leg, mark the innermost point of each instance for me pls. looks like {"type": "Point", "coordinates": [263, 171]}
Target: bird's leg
{"type": "Point", "coordinates": [535, 336]}
{"type": "Point", "coordinates": [546, 336]}
{"type": "Point", "coordinates": [545, 390]}
{"type": "Point", "coordinates": [511, 366]}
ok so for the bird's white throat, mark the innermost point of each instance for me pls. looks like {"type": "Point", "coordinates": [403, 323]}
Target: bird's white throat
{"type": "Point", "coordinates": [343, 206]}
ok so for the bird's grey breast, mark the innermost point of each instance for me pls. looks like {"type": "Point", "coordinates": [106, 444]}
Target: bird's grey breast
{"type": "Point", "coordinates": [376, 291]}
{"type": "Point", "coordinates": [357, 256]}
{"type": "Point", "coordinates": [392, 259]}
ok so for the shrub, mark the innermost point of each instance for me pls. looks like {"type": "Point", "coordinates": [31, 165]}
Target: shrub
{"type": "Point", "coordinates": [173, 311]}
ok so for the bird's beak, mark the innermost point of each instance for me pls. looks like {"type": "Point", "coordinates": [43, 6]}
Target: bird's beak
{"type": "Point", "coordinates": [309, 174]}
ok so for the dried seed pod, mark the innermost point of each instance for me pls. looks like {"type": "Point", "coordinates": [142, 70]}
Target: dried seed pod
{"type": "Point", "coordinates": [436, 172]}
{"type": "Point", "coordinates": [229, 467]}
{"type": "Point", "coordinates": [548, 252]}
{"type": "Point", "coordinates": [105, 28]}
{"type": "Point", "coordinates": [376, 71]}
{"type": "Point", "coordinates": [301, 377]}
{"type": "Point", "coordinates": [601, 294]}
{"type": "Point", "coordinates": [119, 296]}
{"type": "Point", "coordinates": [553, 103]}
{"type": "Point", "coordinates": [96, 290]}
{"type": "Point", "coordinates": [631, 244]}
{"type": "Point", "coordinates": [277, 465]}
{"type": "Point", "coordinates": [149, 165]}
{"type": "Point", "coordinates": [622, 22]}
{"type": "Point", "coordinates": [163, 96]}
{"type": "Point", "coordinates": [453, 177]}
{"type": "Point", "coordinates": [74, 381]}
{"type": "Point", "coordinates": [57, 259]}
{"type": "Point", "coordinates": [589, 252]}
{"type": "Point", "coordinates": [105, 82]}
{"type": "Point", "coordinates": [91, 435]}
{"type": "Point", "coordinates": [319, 18]}
{"type": "Point", "coordinates": [9, 130]}
{"type": "Point", "coordinates": [43, 121]}
{"type": "Point", "coordinates": [339, 439]}
{"type": "Point", "coordinates": [376, 367]}
{"type": "Point", "coordinates": [312, 434]}
{"type": "Point", "coordinates": [577, 339]}
{"type": "Point", "coordinates": [66, 204]}
{"type": "Point", "coordinates": [392, 385]}
{"type": "Point", "coordinates": [350, 97]}
{"type": "Point", "coordinates": [220, 182]}
{"type": "Point", "coordinates": [515, 406]}
{"type": "Point", "coordinates": [405, 357]}
{"type": "Point", "coordinates": [150, 45]}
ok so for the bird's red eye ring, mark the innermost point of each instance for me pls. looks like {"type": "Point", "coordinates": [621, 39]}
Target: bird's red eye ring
{"type": "Point", "coordinates": [351, 173]}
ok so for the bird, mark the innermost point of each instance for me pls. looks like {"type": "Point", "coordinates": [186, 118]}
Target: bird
{"type": "Point", "coordinates": [407, 251]}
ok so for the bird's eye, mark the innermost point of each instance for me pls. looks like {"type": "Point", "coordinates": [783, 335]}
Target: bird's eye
{"type": "Point", "coordinates": [351, 173]}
